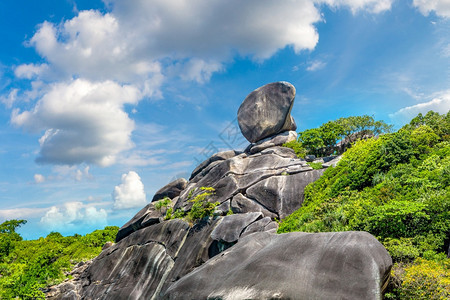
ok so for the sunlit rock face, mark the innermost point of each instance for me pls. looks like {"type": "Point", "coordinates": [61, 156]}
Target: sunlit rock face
{"type": "Point", "coordinates": [236, 253]}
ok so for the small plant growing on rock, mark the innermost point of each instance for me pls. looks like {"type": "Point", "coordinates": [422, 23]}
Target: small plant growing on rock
{"type": "Point", "coordinates": [315, 165]}
{"type": "Point", "coordinates": [163, 203]}
{"type": "Point", "coordinates": [177, 214]}
{"type": "Point", "coordinates": [201, 207]}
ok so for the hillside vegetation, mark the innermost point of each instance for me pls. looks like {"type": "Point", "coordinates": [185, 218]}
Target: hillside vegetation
{"type": "Point", "coordinates": [28, 267]}
{"type": "Point", "coordinates": [397, 187]}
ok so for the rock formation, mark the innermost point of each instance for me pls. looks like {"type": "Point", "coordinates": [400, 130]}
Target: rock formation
{"type": "Point", "coordinates": [267, 111]}
{"type": "Point", "coordinates": [236, 254]}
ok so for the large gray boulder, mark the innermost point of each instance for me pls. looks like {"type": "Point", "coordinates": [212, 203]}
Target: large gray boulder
{"type": "Point", "coordinates": [283, 194]}
{"type": "Point", "coordinates": [171, 190]}
{"type": "Point", "coordinates": [267, 111]}
{"type": "Point", "coordinates": [335, 265]}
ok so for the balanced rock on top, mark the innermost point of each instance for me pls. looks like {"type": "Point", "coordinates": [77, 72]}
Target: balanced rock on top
{"type": "Point", "coordinates": [267, 111]}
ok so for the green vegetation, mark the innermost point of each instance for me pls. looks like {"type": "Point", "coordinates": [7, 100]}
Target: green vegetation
{"type": "Point", "coordinates": [323, 141]}
{"type": "Point", "coordinates": [165, 202]}
{"type": "Point", "coordinates": [315, 165]}
{"type": "Point", "coordinates": [397, 187]}
{"type": "Point", "coordinates": [201, 207]}
{"type": "Point", "coordinates": [27, 267]}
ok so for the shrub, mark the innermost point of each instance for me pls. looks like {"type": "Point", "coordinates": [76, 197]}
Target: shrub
{"type": "Point", "coordinates": [423, 279]}
{"type": "Point", "coordinates": [201, 207]}
{"type": "Point", "coordinates": [163, 203]}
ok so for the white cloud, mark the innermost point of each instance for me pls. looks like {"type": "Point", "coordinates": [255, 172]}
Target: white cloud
{"type": "Point", "coordinates": [21, 213]}
{"type": "Point", "coordinates": [440, 7]}
{"type": "Point", "coordinates": [83, 122]}
{"type": "Point", "coordinates": [130, 193]}
{"type": "Point", "coordinates": [39, 178]}
{"type": "Point", "coordinates": [73, 215]}
{"type": "Point", "coordinates": [30, 71]}
{"type": "Point", "coordinates": [374, 6]}
{"type": "Point", "coordinates": [316, 65]}
{"type": "Point", "coordinates": [440, 104]}
{"type": "Point", "coordinates": [126, 54]}
{"type": "Point", "coordinates": [9, 100]}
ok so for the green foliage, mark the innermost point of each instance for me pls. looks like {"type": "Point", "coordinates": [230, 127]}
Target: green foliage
{"type": "Point", "coordinates": [163, 203]}
{"type": "Point", "coordinates": [177, 214]}
{"type": "Point", "coordinates": [396, 186]}
{"type": "Point", "coordinates": [297, 147]}
{"type": "Point", "coordinates": [201, 207]}
{"type": "Point", "coordinates": [422, 280]}
{"type": "Point", "coordinates": [33, 265]}
{"type": "Point", "coordinates": [322, 141]}
{"type": "Point", "coordinates": [315, 165]}
{"type": "Point", "coordinates": [9, 236]}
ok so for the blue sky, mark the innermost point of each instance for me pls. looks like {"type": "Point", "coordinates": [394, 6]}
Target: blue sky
{"type": "Point", "coordinates": [104, 102]}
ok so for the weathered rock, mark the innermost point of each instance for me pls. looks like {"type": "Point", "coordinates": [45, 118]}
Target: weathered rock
{"type": "Point", "coordinates": [335, 265]}
{"type": "Point", "coordinates": [171, 190]}
{"type": "Point", "coordinates": [280, 151]}
{"type": "Point", "coordinates": [214, 158]}
{"type": "Point", "coordinates": [310, 158]}
{"type": "Point", "coordinates": [283, 194]}
{"type": "Point", "coordinates": [223, 208]}
{"type": "Point", "coordinates": [231, 227]}
{"type": "Point", "coordinates": [241, 204]}
{"type": "Point", "coordinates": [194, 251]}
{"type": "Point", "coordinates": [266, 111]}
{"type": "Point", "coordinates": [236, 174]}
{"type": "Point", "coordinates": [332, 163]}
{"type": "Point", "coordinates": [261, 225]}
{"type": "Point", "coordinates": [136, 222]}
{"type": "Point", "coordinates": [276, 140]}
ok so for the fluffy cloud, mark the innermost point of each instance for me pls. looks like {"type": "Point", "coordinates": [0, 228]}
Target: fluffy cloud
{"type": "Point", "coordinates": [83, 122]}
{"type": "Point", "coordinates": [440, 104]}
{"type": "Point", "coordinates": [440, 7]}
{"type": "Point", "coordinates": [124, 55]}
{"type": "Point", "coordinates": [30, 71]}
{"type": "Point", "coordinates": [130, 193]}
{"type": "Point", "coordinates": [73, 215]}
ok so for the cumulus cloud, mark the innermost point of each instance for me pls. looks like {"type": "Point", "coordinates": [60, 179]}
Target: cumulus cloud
{"type": "Point", "coordinates": [440, 104]}
{"type": "Point", "coordinates": [100, 61]}
{"type": "Point", "coordinates": [83, 122]}
{"type": "Point", "coordinates": [130, 193]}
{"type": "Point", "coordinates": [440, 7]}
{"type": "Point", "coordinates": [73, 215]}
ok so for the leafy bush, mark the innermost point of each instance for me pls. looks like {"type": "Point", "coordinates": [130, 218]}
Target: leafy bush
{"type": "Point", "coordinates": [421, 280]}
{"type": "Point", "coordinates": [297, 147]}
{"type": "Point", "coordinates": [163, 203]}
{"type": "Point", "coordinates": [201, 207]}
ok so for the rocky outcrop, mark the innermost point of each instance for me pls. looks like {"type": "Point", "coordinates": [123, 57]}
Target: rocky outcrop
{"type": "Point", "coordinates": [335, 265]}
{"type": "Point", "coordinates": [236, 253]}
{"type": "Point", "coordinates": [267, 111]}
{"type": "Point", "coordinates": [171, 190]}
